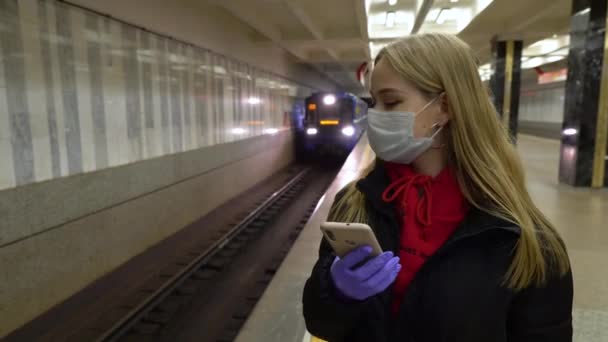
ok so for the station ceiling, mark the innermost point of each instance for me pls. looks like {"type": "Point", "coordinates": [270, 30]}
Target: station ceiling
{"type": "Point", "coordinates": [336, 36]}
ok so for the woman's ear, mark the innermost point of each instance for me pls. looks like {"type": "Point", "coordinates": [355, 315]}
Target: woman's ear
{"type": "Point", "coordinates": [445, 105]}
{"type": "Point", "coordinates": [444, 114]}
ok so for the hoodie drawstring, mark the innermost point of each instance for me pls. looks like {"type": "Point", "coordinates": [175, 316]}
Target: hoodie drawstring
{"type": "Point", "coordinates": [402, 186]}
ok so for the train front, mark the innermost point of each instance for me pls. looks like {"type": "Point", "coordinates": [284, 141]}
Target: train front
{"type": "Point", "coordinates": [332, 122]}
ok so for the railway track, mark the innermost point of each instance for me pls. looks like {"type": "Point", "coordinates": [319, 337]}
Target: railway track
{"type": "Point", "coordinates": [167, 309]}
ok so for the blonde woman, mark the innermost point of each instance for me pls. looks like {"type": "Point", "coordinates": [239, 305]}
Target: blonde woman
{"type": "Point", "coordinates": [468, 256]}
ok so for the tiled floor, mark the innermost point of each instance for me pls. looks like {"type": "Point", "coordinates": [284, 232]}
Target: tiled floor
{"type": "Point", "coordinates": [581, 216]}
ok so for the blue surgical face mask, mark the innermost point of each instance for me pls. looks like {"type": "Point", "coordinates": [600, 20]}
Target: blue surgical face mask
{"type": "Point", "coordinates": [391, 135]}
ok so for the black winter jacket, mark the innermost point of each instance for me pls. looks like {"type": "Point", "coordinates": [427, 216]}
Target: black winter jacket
{"type": "Point", "coordinates": [456, 296]}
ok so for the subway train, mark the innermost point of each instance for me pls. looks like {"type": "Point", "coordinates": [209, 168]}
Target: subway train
{"type": "Point", "coordinates": [332, 123]}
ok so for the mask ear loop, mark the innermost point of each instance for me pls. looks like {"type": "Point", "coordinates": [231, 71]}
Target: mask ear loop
{"type": "Point", "coordinates": [438, 130]}
{"type": "Point", "coordinates": [435, 134]}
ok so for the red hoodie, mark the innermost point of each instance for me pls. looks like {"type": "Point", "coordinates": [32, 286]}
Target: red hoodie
{"type": "Point", "coordinates": [430, 210]}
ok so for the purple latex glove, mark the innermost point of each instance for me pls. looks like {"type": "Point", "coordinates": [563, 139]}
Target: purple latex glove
{"type": "Point", "coordinates": [371, 278]}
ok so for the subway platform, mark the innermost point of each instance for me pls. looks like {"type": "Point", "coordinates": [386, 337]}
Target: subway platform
{"type": "Point", "coordinates": [580, 215]}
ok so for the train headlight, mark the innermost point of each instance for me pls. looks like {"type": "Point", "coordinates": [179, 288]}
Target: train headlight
{"type": "Point", "coordinates": [329, 100]}
{"type": "Point", "coordinates": [349, 131]}
{"type": "Point", "coordinates": [311, 131]}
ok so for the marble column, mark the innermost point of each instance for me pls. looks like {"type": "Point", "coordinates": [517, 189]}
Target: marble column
{"type": "Point", "coordinates": [506, 81]}
{"type": "Point", "coordinates": [585, 127]}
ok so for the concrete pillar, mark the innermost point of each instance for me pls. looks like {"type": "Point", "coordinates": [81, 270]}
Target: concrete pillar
{"type": "Point", "coordinates": [506, 81]}
{"type": "Point", "coordinates": [585, 129]}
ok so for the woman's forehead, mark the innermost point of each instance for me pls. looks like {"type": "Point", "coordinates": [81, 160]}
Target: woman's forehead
{"type": "Point", "coordinates": [385, 79]}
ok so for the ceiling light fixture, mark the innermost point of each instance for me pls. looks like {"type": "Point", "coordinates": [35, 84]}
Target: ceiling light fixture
{"type": "Point", "coordinates": [585, 11]}
{"type": "Point", "coordinates": [390, 19]}
{"type": "Point", "coordinates": [405, 18]}
{"type": "Point", "coordinates": [238, 131]}
{"type": "Point", "coordinates": [453, 1]}
{"type": "Point", "coordinates": [254, 100]}
{"type": "Point", "coordinates": [552, 59]}
{"type": "Point", "coordinates": [271, 131]}
{"type": "Point", "coordinates": [532, 63]}
{"type": "Point", "coordinates": [392, 2]}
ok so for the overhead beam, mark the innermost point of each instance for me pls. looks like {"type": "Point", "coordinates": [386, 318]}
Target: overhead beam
{"type": "Point", "coordinates": [541, 10]}
{"type": "Point", "coordinates": [361, 13]}
{"type": "Point", "coordinates": [421, 15]}
{"type": "Point", "coordinates": [314, 29]}
{"type": "Point", "coordinates": [317, 33]}
{"type": "Point", "coordinates": [347, 58]}
{"type": "Point", "coordinates": [304, 19]}
{"type": "Point", "coordinates": [326, 43]}
{"type": "Point", "coordinates": [250, 18]}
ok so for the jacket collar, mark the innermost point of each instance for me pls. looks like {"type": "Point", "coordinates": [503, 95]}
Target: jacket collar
{"type": "Point", "coordinates": [477, 221]}
{"type": "Point", "coordinates": [373, 185]}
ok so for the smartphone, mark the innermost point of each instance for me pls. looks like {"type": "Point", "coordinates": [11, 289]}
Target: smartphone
{"type": "Point", "coordinates": [345, 237]}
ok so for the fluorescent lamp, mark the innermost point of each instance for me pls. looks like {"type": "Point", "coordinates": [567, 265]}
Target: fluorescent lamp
{"type": "Point", "coordinates": [254, 100]}
{"type": "Point", "coordinates": [453, 1]}
{"type": "Point", "coordinates": [481, 5]}
{"type": "Point", "coordinates": [404, 17]}
{"type": "Point", "coordinates": [551, 59]}
{"type": "Point", "coordinates": [238, 131]}
{"type": "Point", "coordinates": [585, 11]}
{"type": "Point", "coordinates": [392, 2]}
{"type": "Point", "coordinates": [390, 19]}
{"type": "Point", "coordinates": [570, 131]}
{"type": "Point", "coordinates": [271, 131]}
{"type": "Point", "coordinates": [532, 63]}
{"type": "Point", "coordinates": [378, 19]}
{"type": "Point", "coordinates": [548, 45]}
{"type": "Point", "coordinates": [463, 17]}
{"type": "Point", "coordinates": [311, 131]}
{"type": "Point", "coordinates": [561, 52]}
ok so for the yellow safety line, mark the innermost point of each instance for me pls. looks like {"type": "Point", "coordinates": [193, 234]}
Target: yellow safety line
{"type": "Point", "coordinates": [506, 104]}
{"type": "Point", "coordinates": [367, 156]}
{"type": "Point", "coordinates": [601, 127]}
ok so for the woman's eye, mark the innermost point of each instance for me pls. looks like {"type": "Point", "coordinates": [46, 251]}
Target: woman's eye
{"type": "Point", "coordinates": [391, 104]}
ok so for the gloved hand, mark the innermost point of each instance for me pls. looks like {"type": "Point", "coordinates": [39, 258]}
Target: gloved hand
{"type": "Point", "coordinates": [371, 278]}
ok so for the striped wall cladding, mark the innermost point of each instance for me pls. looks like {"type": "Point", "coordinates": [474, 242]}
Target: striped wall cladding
{"type": "Point", "coordinates": [81, 92]}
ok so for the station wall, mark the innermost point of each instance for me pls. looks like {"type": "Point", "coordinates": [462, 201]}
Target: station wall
{"type": "Point", "coordinates": [114, 137]}
{"type": "Point", "coordinates": [541, 108]}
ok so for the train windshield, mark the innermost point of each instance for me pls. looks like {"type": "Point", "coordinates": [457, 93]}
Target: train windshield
{"type": "Point", "coordinates": [340, 110]}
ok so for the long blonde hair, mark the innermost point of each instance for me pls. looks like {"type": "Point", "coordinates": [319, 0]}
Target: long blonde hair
{"type": "Point", "coordinates": [485, 161]}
